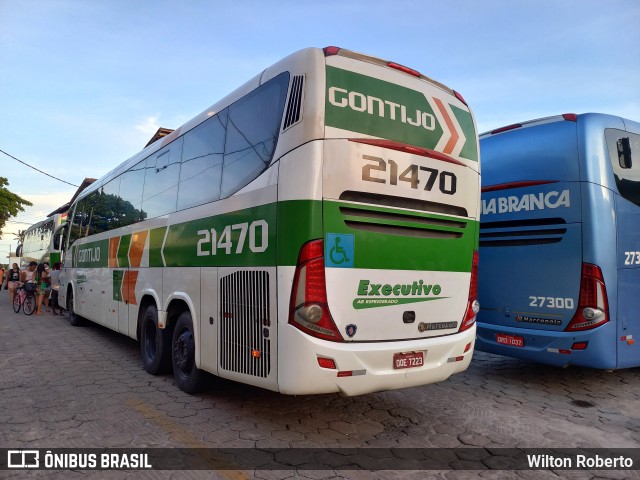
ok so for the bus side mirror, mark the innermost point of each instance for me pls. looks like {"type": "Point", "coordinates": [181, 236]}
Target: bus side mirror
{"type": "Point", "coordinates": [624, 152]}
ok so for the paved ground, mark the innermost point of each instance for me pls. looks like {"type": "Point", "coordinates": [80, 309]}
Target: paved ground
{"type": "Point", "coordinates": [66, 387]}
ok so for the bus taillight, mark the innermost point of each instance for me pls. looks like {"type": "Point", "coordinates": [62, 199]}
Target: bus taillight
{"type": "Point", "coordinates": [404, 69]}
{"type": "Point", "coordinates": [329, 51]}
{"type": "Point", "coordinates": [593, 306]}
{"type": "Point", "coordinates": [308, 309]}
{"type": "Point", "coordinates": [473, 306]}
{"type": "Point", "coordinates": [460, 97]}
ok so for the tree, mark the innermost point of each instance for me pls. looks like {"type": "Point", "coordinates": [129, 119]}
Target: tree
{"type": "Point", "coordinates": [10, 203]}
{"type": "Point", "coordinates": [20, 236]}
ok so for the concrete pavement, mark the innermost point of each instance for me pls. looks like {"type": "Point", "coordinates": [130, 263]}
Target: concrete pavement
{"type": "Point", "coordinates": [84, 387]}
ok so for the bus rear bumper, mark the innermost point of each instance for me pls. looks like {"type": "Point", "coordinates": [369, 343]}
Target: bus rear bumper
{"type": "Point", "coordinates": [550, 347]}
{"type": "Point", "coordinates": [367, 367]}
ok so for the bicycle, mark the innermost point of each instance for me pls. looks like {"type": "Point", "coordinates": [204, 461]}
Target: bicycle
{"type": "Point", "coordinates": [25, 298]}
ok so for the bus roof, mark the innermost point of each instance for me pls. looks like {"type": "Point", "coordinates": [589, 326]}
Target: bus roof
{"type": "Point", "coordinates": [247, 87]}
{"type": "Point", "coordinates": [557, 148]}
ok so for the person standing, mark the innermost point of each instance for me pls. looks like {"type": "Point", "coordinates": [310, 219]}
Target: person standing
{"type": "Point", "coordinates": [41, 278]}
{"type": "Point", "coordinates": [12, 280]}
{"type": "Point", "coordinates": [29, 275]}
{"type": "Point", "coordinates": [54, 277]}
{"type": "Point", "coordinates": [47, 292]}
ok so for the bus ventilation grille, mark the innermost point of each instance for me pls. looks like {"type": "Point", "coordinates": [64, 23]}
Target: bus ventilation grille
{"type": "Point", "coordinates": [244, 307]}
{"type": "Point", "coordinates": [516, 233]}
{"type": "Point", "coordinates": [402, 202]}
{"type": "Point", "coordinates": [405, 225]}
{"type": "Point", "coordinates": [294, 107]}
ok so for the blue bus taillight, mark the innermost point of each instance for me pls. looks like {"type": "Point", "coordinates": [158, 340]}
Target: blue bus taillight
{"type": "Point", "coordinates": [308, 310]}
{"type": "Point", "coordinates": [593, 307]}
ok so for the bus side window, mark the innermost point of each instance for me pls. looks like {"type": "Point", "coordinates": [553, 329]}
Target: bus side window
{"type": "Point", "coordinates": [46, 234]}
{"type": "Point", "coordinates": [81, 218]}
{"type": "Point", "coordinates": [130, 195]}
{"type": "Point", "coordinates": [623, 148]}
{"type": "Point", "coordinates": [76, 223]}
{"type": "Point", "coordinates": [162, 171]}
{"type": "Point", "coordinates": [252, 133]}
{"type": "Point", "coordinates": [105, 208]}
{"type": "Point", "coordinates": [58, 243]}
{"type": "Point", "coordinates": [201, 168]}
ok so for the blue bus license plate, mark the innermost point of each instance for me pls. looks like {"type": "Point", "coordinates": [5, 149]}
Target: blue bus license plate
{"type": "Point", "coordinates": [510, 340]}
{"type": "Point", "coordinates": [408, 360]}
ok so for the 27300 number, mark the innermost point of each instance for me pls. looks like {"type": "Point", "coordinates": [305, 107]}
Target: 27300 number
{"type": "Point", "coordinates": [632, 258]}
{"type": "Point", "coordinates": [551, 302]}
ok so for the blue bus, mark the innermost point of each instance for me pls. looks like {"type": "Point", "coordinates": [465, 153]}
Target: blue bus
{"type": "Point", "coordinates": [559, 272]}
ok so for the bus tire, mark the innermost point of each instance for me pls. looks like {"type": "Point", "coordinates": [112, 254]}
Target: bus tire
{"type": "Point", "coordinates": [155, 343]}
{"type": "Point", "coordinates": [74, 319]}
{"type": "Point", "coordinates": [188, 377]}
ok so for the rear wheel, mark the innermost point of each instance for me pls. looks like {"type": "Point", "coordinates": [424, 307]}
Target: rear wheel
{"type": "Point", "coordinates": [16, 302]}
{"type": "Point", "coordinates": [155, 343]}
{"type": "Point", "coordinates": [74, 319]}
{"type": "Point", "coordinates": [188, 377]}
{"type": "Point", "coordinates": [29, 305]}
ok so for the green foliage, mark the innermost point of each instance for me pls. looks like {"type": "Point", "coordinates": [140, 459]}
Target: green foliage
{"type": "Point", "coordinates": [10, 203]}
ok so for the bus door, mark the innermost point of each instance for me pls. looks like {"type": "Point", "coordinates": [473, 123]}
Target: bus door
{"type": "Point", "coordinates": [624, 151]}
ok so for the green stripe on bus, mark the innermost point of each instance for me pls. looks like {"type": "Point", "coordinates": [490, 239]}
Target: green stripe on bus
{"type": "Point", "coordinates": [244, 238]}
{"type": "Point", "coordinates": [123, 251]}
{"type": "Point", "coordinates": [93, 254]}
{"type": "Point", "coordinates": [156, 237]}
{"type": "Point", "coordinates": [253, 237]}
{"type": "Point", "coordinates": [54, 258]}
{"type": "Point", "coordinates": [365, 302]}
{"type": "Point", "coordinates": [298, 222]}
{"type": "Point", "coordinates": [398, 245]}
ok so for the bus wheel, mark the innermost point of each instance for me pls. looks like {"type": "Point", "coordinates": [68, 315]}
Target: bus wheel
{"type": "Point", "coordinates": [74, 319]}
{"type": "Point", "coordinates": [188, 377]}
{"type": "Point", "coordinates": [155, 343]}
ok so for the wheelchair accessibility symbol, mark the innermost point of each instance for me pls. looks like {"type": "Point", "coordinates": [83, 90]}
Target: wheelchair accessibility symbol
{"type": "Point", "coordinates": [339, 250]}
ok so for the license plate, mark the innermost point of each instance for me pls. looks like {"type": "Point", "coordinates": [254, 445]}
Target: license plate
{"type": "Point", "coordinates": [510, 340]}
{"type": "Point", "coordinates": [408, 360]}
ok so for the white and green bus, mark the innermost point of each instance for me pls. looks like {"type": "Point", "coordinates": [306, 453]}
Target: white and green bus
{"type": "Point", "coordinates": [315, 231]}
{"type": "Point", "coordinates": [41, 243]}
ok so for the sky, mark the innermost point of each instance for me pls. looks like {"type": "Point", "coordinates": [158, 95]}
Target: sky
{"type": "Point", "coordinates": [85, 84]}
